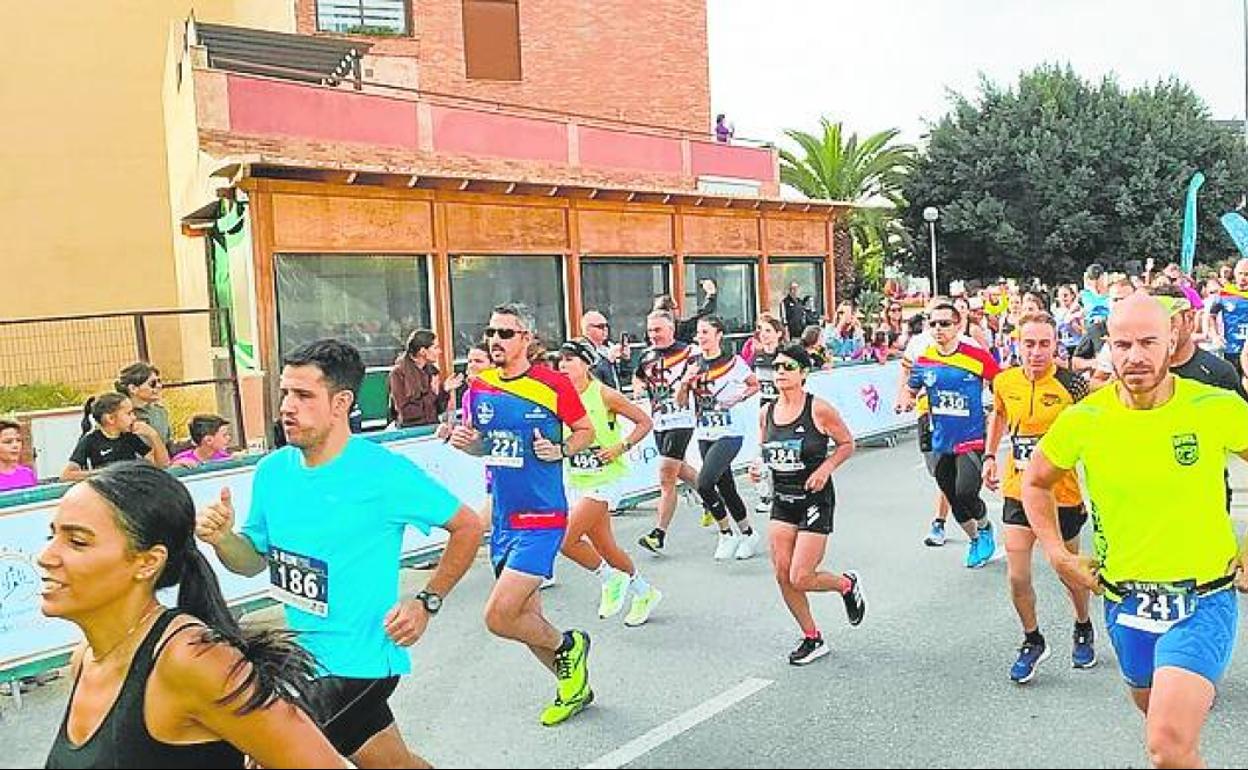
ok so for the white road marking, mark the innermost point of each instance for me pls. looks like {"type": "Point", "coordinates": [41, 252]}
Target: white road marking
{"type": "Point", "coordinates": [682, 723]}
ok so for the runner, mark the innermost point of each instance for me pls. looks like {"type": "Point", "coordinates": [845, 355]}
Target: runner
{"type": "Point", "coordinates": [518, 413]}
{"type": "Point", "coordinates": [795, 432]}
{"type": "Point", "coordinates": [1231, 306]}
{"type": "Point", "coordinates": [594, 475]}
{"type": "Point", "coordinates": [719, 384]}
{"type": "Point", "coordinates": [661, 369]}
{"type": "Point", "coordinates": [149, 680]}
{"type": "Point", "coordinates": [953, 374]}
{"type": "Point", "coordinates": [769, 332]}
{"type": "Point", "coordinates": [1028, 398]}
{"type": "Point", "coordinates": [327, 517]}
{"type": "Point", "coordinates": [1166, 553]}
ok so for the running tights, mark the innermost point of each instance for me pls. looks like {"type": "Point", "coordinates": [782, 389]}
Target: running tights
{"type": "Point", "coordinates": [715, 484]}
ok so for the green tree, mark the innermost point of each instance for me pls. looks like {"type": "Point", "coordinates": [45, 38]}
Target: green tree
{"type": "Point", "coordinates": [836, 166]}
{"type": "Point", "coordinates": [1045, 178]}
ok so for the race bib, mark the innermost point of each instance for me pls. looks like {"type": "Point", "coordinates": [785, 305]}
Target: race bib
{"type": "Point", "coordinates": [299, 581]}
{"type": "Point", "coordinates": [1023, 447]}
{"type": "Point", "coordinates": [1157, 607]}
{"type": "Point", "coordinates": [949, 403]}
{"type": "Point", "coordinates": [669, 416]}
{"type": "Point", "coordinates": [504, 449]}
{"type": "Point", "coordinates": [715, 423]}
{"type": "Point", "coordinates": [586, 461]}
{"type": "Point", "coordinates": [784, 456]}
{"type": "Point", "coordinates": [767, 389]}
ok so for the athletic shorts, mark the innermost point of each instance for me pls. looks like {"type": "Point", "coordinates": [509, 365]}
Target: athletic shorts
{"type": "Point", "coordinates": [1070, 518]}
{"type": "Point", "coordinates": [350, 711]}
{"type": "Point", "coordinates": [673, 443]}
{"type": "Point", "coordinates": [531, 551]}
{"type": "Point", "coordinates": [808, 511]}
{"type": "Point", "coordinates": [925, 433]}
{"type": "Point", "coordinates": [1202, 643]}
{"type": "Point", "coordinates": [607, 493]}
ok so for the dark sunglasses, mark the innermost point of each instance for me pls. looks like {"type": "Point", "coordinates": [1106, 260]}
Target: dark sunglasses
{"type": "Point", "coordinates": [941, 324]}
{"type": "Point", "coordinates": [502, 334]}
{"type": "Point", "coordinates": [599, 326]}
{"type": "Point", "coordinates": [788, 366]}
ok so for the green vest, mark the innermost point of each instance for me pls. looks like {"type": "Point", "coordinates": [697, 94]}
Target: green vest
{"type": "Point", "coordinates": [585, 471]}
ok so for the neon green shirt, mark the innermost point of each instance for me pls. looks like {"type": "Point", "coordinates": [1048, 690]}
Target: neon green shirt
{"type": "Point", "coordinates": [585, 470]}
{"type": "Point", "coordinates": [1155, 479]}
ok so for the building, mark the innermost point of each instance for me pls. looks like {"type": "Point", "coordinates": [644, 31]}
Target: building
{"type": "Point", "coordinates": [359, 168]}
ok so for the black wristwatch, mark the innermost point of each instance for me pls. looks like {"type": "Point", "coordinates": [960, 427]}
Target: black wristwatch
{"type": "Point", "coordinates": [432, 601]}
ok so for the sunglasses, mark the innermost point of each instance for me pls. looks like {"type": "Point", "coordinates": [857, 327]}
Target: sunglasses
{"type": "Point", "coordinates": [502, 334]}
{"type": "Point", "coordinates": [788, 366]}
{"type": "Point", "coordinates": [940, 324]}
{"type": "Point", "coordinates": [599, 326]}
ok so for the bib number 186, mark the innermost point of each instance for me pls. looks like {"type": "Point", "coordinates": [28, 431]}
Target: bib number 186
{"type": "Point", "coordinates": [299, 581]}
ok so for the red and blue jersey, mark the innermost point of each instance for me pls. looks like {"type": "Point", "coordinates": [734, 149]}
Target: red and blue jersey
{"type": "Point", "coordinates": [528, 492]}
{"type": "Point", "coordinates": [955, 393]}
{"type": "Point", "coordinates": [1232, 304]}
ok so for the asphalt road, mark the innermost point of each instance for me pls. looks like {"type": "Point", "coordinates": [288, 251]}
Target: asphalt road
{"type": "Point", "coordinates": [923, 682]}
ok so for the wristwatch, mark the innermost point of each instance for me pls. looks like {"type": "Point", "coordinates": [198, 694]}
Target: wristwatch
{"type": "Point", "coordinates": [432, 601]}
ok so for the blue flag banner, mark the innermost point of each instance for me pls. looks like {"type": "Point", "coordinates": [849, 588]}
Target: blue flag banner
{"type": "Point", "coordinates": [1189, 223]}
{"type": "Point", "coordinates": [1237, 227]}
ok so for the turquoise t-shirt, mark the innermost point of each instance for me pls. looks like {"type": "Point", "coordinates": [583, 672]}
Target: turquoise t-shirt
{"type": "Point", "coordinates": [332, 535]}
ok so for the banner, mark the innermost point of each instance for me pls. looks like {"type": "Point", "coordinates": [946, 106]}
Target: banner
{"type": "Point", "coordinates": [1237, 227]}
{"type": "Point", "coordinates": [863, 394]}
{"type": "Point", "coordinates": [1189, 223]}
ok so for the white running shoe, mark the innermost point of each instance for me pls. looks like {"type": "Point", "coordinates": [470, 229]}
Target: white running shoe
{"type": "Point", "coordinates": [727, 546]}
{"type": "Point", "coordinates": [547, 583]}
{"type": "Point", "coordinates": [749, 545]}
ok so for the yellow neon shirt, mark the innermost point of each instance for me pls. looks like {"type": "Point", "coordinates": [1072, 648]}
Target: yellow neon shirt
{"type": "Point", "coordinates": [1155, 480]}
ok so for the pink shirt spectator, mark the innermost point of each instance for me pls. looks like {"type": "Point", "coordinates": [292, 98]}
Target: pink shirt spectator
{"type": "Point", "coordinates": [188, 457]}
{"type": "Point", "coordinates": [21, 477]}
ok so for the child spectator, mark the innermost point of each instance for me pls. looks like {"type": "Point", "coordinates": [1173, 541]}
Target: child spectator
{"type": "Point", "coordinates": [13, 475]}
{"type": "Point", "coordinates": [210, 436]}
{"type": "Point", "coordinates": [117, 437]}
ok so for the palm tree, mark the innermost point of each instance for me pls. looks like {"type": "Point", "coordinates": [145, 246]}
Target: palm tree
{"type": "Point", "coordinates": [870, 173]}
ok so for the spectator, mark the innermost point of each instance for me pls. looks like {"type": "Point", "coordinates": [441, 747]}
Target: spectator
{"type": "Point", "coordinates": [118, 436]}
{"type": "Point", "coordinates": [210, 439]}
{"type": "Point", "coordinates": [1089, 348]}
{"type": "Point", "coordinates": [417, 393]}
{"type": "Point", "coordinates": [812, 341]}
{"type": "Point", "coordinates": [876, 348]}
{"type": "Point", "coordinates": [13, 475]}
{"type": "Point", "coordinates": [1226, 273]}
{"type": "Point", "coordinates": [1173, 272]}
{"type": "Point", "coordinates": [1092, 298]}
{"type": "Point", "coordinates": [1069, 316]}
{"type": "Point", "coordinates": [723, 129]}
{"type": "Point", "coordinates": [611, 367]}
{"type": "Point", "coordinates": [142, 384]}
{"type": "Point", "coordinates": [686, 329]}
{"type": "Point", "coordinates": [892, 325]}
{"type": "Point", "coordinates": [845, 336]}
{"type": "Point", "coordinates": [793, 313]}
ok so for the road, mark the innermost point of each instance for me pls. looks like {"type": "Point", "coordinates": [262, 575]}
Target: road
{"type": "Point", "coordinates": [923, 682]}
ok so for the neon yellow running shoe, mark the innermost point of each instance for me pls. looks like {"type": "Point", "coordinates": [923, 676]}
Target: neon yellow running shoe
{"type": "Point", "coordinates": [614, 592]}
{"type": "Point", "coordinates": [572, 669]}
{"type": "Point", "coordinates": [707, 518]}
{"type": "Point", "coordinates": [643, 605]}
{"type": "Point", "coordinates": [562, 711]}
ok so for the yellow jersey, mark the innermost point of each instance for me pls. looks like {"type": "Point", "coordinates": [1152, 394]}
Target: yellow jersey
{"type": "Point", "coordinates": [1030, 408]}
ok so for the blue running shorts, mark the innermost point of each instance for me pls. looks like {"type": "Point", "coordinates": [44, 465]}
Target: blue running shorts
{"type": "Point", "coordinates": [1202, 643]}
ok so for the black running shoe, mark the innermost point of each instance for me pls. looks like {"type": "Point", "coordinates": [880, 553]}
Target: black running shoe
{"type": "Point", "coordinates": [855, 601]}
{"type": "Point", "coordinates": [809, 650]}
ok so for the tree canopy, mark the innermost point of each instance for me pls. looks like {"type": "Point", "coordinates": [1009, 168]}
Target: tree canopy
{"type": "Point", "coordinates": [1047, 177]}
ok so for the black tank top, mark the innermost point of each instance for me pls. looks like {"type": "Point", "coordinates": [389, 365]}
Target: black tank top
{"type": "Point", "coordinates": [122, 739]}
{"type": "Point", "coordinates": [765, 371]}
{"type": "Point", "coordinates": [794, 451]}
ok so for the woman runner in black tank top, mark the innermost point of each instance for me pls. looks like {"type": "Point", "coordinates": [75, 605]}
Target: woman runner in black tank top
{"type": "Point", "coordinates": [795, 434]}
{"type": "Point", "coordinates": [155, 687]}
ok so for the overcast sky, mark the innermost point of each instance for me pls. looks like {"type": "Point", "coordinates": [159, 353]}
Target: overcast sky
{"type": "Point", "coordinates": [779, 64]}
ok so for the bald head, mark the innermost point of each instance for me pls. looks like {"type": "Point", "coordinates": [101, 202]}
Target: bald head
{"type": "Point", "coordinates": [595, 328]}
{"type": "Point", "coordinates": [1241, 274]}
{"type": "Point", "coordinates": [1141, 340]}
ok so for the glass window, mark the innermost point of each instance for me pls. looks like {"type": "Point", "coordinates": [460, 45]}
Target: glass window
{"type": "Point", "coordinates": [362, 17]}
{"type": "Point", "coordinates": [623, 290]}
{"type": "Point", "coordinates": [737, 290]}
{"type": "Point", "coordinates": [478, 284]}
{"type": "Point", "coordinates": [372, 302]}
{"type": "Point", "coordinates": [806, 273]}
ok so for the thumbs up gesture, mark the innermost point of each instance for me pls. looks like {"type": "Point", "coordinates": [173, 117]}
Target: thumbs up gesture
{"type": "Point", "coordinates": [217, 520]}
{"type": "Point", "coordinates": [545, 449]}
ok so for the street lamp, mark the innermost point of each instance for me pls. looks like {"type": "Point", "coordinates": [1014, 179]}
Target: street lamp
{"type": "Point", "coordinates": [931, 214]}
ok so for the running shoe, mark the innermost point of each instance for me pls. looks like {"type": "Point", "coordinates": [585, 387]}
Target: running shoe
{"type": "Point", "coordinates": [547, 583]}
{"type": "Point", "coordinates": [562, 711]}
{"type": "Point", "coordinates": [652, 542]}
{"type": "Point", "coordinates": [936, 536]}
{"type": "Point", "coordinates": [572, 670]}
{"type": "Point", "coordinates": [1083, 654]}
{"type": "Point", "coordinates": [808, 651]}
{"type": "Point", "coordinates": [643, 605]}
{"type": "Point", "coordinates": [749, 545]}
{"type": "Point", "coordinates": [727, 546]}
{"type": "Point", "coordinates": [614, 592]}
{"type": "Point", "coordinates": [855, 600]}
{"type": "Point", "coordinates": [1030, 655]}
{"type": "Point", "coordinates": [707, 518]}
{"type": "Point", "coordinates": [987, 547]}
{"type": "Point", "coordinates": [972, 554]}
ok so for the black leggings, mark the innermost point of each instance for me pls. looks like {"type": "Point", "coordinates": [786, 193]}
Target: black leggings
{"type": "Point", "coordinates": [715, 484]}
{"type": "Point", "coordinates": [959, 478]}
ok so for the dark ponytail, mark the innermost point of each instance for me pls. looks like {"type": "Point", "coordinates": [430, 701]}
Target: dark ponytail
{"type": "Point", "coordinates": [98, 407]}
{"type": "Point", "coordinates": [153, 508]}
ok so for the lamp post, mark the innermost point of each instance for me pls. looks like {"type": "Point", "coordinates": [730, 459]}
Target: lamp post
{"type": "Point", "coordinates": [930, 215]}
